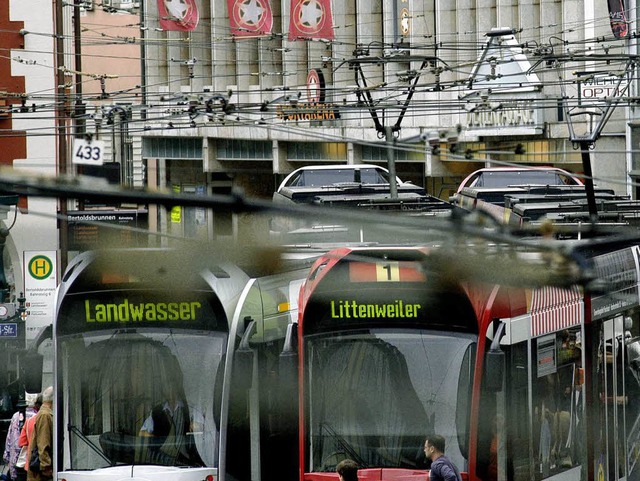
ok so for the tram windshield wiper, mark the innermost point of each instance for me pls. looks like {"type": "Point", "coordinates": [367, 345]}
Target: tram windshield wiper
{"type": "Point", "coordinates": [73, 429]}
{"type": "Point", "coordinates": [346, 447]}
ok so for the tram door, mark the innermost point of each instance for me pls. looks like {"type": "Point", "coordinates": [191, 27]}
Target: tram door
{"type": "Point", "coordinates": [617, 388]}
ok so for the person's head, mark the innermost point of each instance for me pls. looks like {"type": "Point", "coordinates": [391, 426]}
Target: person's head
{"type": "Point", "coordinates": [47, 395]}
{"type": "Point", "coordinates": [434, 446]}
{"type": "Point", "coordinates": [347, 469]}
{"type": "Point", "coordinates": [38, 402]}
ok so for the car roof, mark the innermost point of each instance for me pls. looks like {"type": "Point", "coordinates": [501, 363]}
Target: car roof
{"type": "Point", "coordinates": [527, 168]}
{"type": "Point", "coordinates": [332, 167]}
{"type": "Point", "coordinates": [340, 166]}
{"type": "Point", "coordinates": [522, 169]}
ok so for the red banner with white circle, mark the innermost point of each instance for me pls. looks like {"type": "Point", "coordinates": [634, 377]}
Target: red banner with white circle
{"type": "Point", "coordinates": [179, 15]}
{"type": "Point", "coordinates": [250, 18]}
{"type": "Point", "coordinates": [311, 19]}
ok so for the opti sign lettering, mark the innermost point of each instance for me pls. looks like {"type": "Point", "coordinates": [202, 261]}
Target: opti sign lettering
{"type": "Point", "coordinates": [126, 311]}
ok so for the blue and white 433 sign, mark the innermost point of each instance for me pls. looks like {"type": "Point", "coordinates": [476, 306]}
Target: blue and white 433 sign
{"type": "Point", "coordinates": [88, 152]}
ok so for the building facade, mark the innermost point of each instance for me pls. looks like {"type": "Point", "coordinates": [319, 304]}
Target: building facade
{"type": "Point", "coordinates": [236, 101]}
{"type": "Point", "coordinates": [50, 94]}
{"type": "Point", "coordinates": [28, 143]}
{"type": "Point", "coordinates": [204, 96]}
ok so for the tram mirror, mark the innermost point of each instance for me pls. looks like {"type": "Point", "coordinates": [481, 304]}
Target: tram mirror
{"type": "Point", "coordinates": [31, 371]}
{"type": "Point", "coordinates": [288, 378]}
{"type": "Point", "coordinates": [247, 322]}
{"type": "Point", "coordinates": [244, 356]}
{"type": "Point", "coordinates": [494, 361]}
{"type": "Point", "coordinates": [288, 363]}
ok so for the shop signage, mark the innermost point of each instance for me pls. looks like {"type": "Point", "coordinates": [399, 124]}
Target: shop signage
{"type": "Point", "coordinates": [497, 118]}
{"type": "Point", "coordinates": [302, 112]}
{"type": "Point", "coordinates": [596, 88]}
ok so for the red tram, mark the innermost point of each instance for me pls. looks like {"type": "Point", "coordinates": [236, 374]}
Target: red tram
{"type": "Point", "coordinates": [523, 383]}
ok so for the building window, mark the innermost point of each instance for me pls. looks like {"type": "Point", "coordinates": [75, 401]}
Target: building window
{"type": "Point", "coordinates": [372, 153]}
{"type": "Point", "coordinates": [316, 151]}
{"type": "Point", "coordinates": [172, 148]}
{"type": "Point", "coordinates": [242, 149]}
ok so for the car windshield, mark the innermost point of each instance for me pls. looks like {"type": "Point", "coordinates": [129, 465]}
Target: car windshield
{"type": "Point", "coordinates": [327, 177]}
{"type": "Point", "coordinates": [374, 396]}
{"type": "Point", "coordinates": [525, 177]}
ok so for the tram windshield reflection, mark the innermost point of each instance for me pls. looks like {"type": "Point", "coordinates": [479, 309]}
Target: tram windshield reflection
{"type": "Point", "coordinates": [373, 396]}
{"type": "Point", "coordinates": [132, 398]}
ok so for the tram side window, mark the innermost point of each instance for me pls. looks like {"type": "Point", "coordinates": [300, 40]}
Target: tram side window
{"type": "Point", "coordinates": [618, 387]}
{"type": "Point", "coordinates": [518, 414]}
{"type": "Point", "coordinates": [557, 402]}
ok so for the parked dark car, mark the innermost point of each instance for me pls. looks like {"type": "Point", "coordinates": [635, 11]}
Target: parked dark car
{"type": "Point", "coordinates": [306, 183]}
{"type": "Point", "coordinates": [498, 177]}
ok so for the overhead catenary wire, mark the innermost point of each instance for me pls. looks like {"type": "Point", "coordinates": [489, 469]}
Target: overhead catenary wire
{"type": "Point", "coordinates": [450, 43]}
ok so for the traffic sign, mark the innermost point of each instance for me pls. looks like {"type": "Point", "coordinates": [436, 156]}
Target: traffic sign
{"type": "Point", "coordinates": [40, 267]}
{"type": "Point", "coordinates": [90, 152]}
{"type": "Point", "coordinates": [7, 310]}
{"type": "Point", "coordinates": [9, 329]}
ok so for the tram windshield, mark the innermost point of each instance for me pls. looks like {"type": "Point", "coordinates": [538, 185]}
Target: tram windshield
{"type": "Point", "coordinates": [374, 395]}
{"type": "Point", "coordinates": [141, 397]}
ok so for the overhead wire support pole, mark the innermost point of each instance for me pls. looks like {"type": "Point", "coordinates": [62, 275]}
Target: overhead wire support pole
{"type": "Point", "coordinates": [585, 146]}
{"type": "Point", "coordinates": [412, 90]}
{"type": "Point", "coordinates": [391, 161]}
{"type": "Point", "coordinates": [386, 130]}
{"type": "Point", "coordinates": [364, 91]}
{"type": "Point", "coordinates": [596, 114]}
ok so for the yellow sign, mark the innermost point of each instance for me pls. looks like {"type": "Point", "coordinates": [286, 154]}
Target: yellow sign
{"type": "Point", "coordinates": [176, 210]}
{"type": "Point", "coordinates": [40, 267]}
{"type": "Point", "coordinates": [176, 214]}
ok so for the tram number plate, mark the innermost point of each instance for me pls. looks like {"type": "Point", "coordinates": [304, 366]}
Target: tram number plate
{"type": "Point", "coordinates": [9, 329]}
{"type": "Point", "coordinates": [388, 271]}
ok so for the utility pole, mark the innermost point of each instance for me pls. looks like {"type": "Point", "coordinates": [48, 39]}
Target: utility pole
{"type": "Point", "coordinates": [633, 120]}
{"type": "Point", "coordinates": [61, 121]}
{"type": "Point", "coordinates": [363, 93]}
{"type": "Point", "coordinates": [79, 110]}
{"type": "Point", "coordinates": [391, 161]}
{"type": "Point", "coordinates": [143, 58]}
